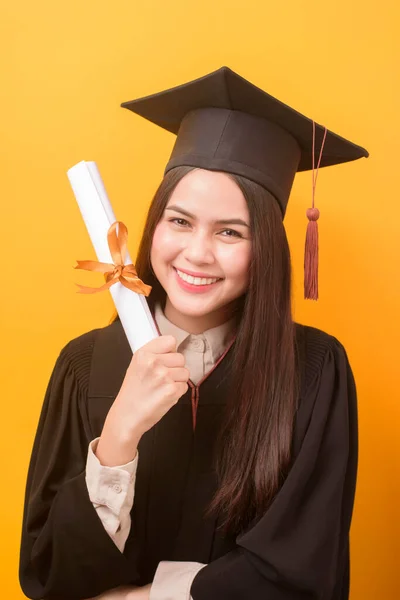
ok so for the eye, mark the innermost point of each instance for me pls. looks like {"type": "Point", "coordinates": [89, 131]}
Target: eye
{"type": "Point", "coordinates": [235, 233]}
{"type": "Point", "coordinates": [178, 219]}
{"type": "Point", "coordinates": [182, 223]}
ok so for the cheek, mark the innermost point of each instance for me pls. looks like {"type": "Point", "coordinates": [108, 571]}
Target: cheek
{"type": "Point", "coordinates": [163, 245]}
{"type": "Point", "coordinates": [236, 261]}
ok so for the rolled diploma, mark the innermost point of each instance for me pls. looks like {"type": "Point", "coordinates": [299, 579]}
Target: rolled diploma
{"type": "Point", "coordinates": [98, 215]}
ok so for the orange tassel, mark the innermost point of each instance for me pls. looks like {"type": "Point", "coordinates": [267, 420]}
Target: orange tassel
{"type": "Point", "coordinates": [311, 256]}
{"type": "Point", "coordinates": [311, 249]}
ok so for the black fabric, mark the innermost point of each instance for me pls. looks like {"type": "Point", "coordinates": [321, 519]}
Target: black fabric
{"type": "Point", "coordinates": [225, 123]}
{"type": "Point", "coordinates": [299, 549]}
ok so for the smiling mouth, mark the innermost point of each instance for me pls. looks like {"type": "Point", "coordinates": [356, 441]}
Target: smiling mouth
{"type": "Point", "coordinates": [199, 281]}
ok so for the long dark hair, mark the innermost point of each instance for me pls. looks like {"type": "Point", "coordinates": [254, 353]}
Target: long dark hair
{"type": "Point", "coordinates": [254, 448]}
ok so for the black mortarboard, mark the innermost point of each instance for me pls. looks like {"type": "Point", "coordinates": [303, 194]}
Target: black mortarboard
{"type": "Point", "coordinates": [225, 123]}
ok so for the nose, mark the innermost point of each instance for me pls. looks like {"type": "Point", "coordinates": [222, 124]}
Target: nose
{"type": "Point", "coordinates": [198, 249]}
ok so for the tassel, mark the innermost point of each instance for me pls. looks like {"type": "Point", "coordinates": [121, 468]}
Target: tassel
{"type": "Point", "coordinates": [311, 249]}
{"type": "Point", "coordinates": [311, 256]}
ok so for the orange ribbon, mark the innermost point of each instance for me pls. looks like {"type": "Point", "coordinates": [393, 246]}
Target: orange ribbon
{"type": "Point", "coordinates": [125, 274]}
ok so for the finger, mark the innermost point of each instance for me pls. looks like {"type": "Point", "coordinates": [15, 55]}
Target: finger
{"type": "Point", "coordinates": [161, 344]}
{"type": "Point", "coordinates": [171, 359]}
{"type": "Point", "coordinates": [181, 388]}
{"type": "Point", "coordinates": [179, 374]}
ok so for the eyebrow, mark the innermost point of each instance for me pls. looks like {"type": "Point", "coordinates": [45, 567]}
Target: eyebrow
{"type": "Point", "coordinates": [219, 222]}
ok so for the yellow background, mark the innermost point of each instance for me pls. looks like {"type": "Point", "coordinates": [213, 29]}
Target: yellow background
{"type": "Point", "coordinates": [65, 68]}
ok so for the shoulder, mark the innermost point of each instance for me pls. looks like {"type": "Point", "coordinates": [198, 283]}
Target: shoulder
{"type": "Point", "coordinates": [315, 348]}
{"type": "Point", "coordinates": [97, 358]}
{"type": "Point", "coordinates": [328, 390]}
{"type": "Point", "coordinates": [77, 354]}
{"type": "Point", "coordinates": [82, 346]}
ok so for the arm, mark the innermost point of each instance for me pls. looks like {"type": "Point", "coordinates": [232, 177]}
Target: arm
{"type": "Point", "coordinates": [111, 491]}
{"type": "Point", "coordinates": [172, 579]}
{"type": "Point", "coordinates": [299, 548]}
{"type": "Point", "coordinates": [65, 550]}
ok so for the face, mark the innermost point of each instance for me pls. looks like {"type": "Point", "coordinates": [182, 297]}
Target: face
{"type": "Point", "coordinates": [201, 250]}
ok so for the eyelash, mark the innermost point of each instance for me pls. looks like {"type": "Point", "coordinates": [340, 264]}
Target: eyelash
{"type": "Point", "coordinates": [237, 234]}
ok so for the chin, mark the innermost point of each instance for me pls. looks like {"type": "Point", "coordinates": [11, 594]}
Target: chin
{"type": "Point", "coordinates": [193, 307]}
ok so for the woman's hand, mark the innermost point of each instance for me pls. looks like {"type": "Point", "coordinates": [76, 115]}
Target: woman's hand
{"type": "Point", "coordinates": [125, 592]}
{"type": "Point", "coordinates": [155, 380]}
{"type": "Point", "coordinates": [140, 593]}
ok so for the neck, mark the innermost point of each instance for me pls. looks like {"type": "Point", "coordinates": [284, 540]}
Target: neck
{"type": "Point", "coordinates": [195, 325]}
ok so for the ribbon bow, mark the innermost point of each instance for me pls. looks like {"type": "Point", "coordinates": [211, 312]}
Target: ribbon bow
{"type": "Point", "coordinates": [125, 274]}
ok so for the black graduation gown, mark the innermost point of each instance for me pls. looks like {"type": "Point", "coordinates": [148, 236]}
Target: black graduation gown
{"type": "Point", "coordinates": [299, 550]}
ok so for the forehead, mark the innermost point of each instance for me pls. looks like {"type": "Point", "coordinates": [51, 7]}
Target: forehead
{"type": "Point", "coordinates": [211, 193]}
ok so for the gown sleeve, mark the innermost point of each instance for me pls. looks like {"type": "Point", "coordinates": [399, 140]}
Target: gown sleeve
{"type": "Point", "coordinates": [65, 550]}
{"type": "Point", "coordinates": [298, 550]}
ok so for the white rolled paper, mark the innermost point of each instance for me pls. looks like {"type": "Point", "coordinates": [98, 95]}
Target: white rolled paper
{"type": "Point", "coordinates": [98, 215]}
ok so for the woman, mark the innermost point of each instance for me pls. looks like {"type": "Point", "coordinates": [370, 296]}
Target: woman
{"type": "Point", "coordinates": [219, 462]}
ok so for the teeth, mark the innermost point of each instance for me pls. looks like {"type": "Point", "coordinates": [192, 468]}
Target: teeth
{"type": "Point", "coordinates": [195, 280]}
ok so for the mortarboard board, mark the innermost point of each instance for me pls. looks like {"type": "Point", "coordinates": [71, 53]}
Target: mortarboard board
{"type": "Point", "coordinates": [225, 123]}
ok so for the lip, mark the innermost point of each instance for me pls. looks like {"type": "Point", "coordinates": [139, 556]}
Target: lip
{"type": "Point", "coordinates": [197, 274]}
{"type": "Point", "coordinates": [194, 289]}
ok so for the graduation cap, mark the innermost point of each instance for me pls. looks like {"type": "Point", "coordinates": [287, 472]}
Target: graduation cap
{"type": "Point", "coordinates": [225, 123]}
